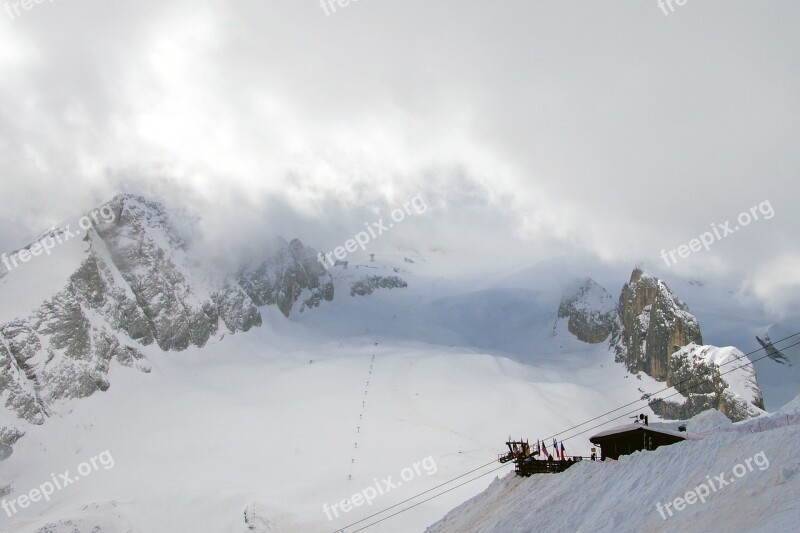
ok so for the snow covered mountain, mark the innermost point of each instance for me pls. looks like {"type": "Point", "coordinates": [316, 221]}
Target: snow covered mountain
{"type": "Point", "coordinates": [652, 331]}
{"type": "Point", "coordinates": [126, 281]}
{"type": "Point", "coordinates": [590, 311]}
{"type": "Point", "coordinates": [216, 389]}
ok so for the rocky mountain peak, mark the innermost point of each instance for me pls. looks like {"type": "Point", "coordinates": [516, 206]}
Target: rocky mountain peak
{"type": "Point", "coordinates": [636, 275]}
{"type": "Point", "coordinates": [656, 334]}
{"type": "Point", "coordinates": [133, 283]}
{"type": "Point", "coordinates": [654, 323]}
{"type": "Point", "coordinates": [589, 310]}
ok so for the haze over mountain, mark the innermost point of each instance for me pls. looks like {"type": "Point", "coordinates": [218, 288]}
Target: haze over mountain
{"type": "Point", "coordinates": [259, 260]}
{"type": "Point", "coordinates": [125, 304]}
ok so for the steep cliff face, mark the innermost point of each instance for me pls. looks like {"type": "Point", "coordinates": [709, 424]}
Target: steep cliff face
{"type": "Point", "coordinates": [61, 350]}
{"type": "Point", "coordinates": [656, 334]}
{"type": "Point", "coordinates": [281, 280]}
{"type": "Point", "coordinates": [8, 437]}
{"type": "Point", "coordinates": [163, 295]}
{"type": "Point", "coordinates": [653, 323]}
{"type": "Point", "coordinates": [128, 281]}
{"type": "Point", "coordinates": [589, 310]}
{"type": "Point", "coordinates": [736, 394]}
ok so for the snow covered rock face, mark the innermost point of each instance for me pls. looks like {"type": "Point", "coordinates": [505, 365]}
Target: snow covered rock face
{"type": "Point", "coordinates": [8, 436]}
{"type": "Point", "coordinates": [369, 284]}
{"type": "Point", "coordinates": [282, 280]}
{"type": "Point", "coordinates": [164, 301]}
{"type": "Point", "coordinates": [59, 351]}
{"type": "Point", "coordinates": [653, 323]}
{"type": "Point", "coordinates": [134, 283]}
{"type": "Point", "coordinates": [656, 334]}
{"type": "Point", "coordinates": [590, 311]}
{"type": "Point", "coordinates": [254, 519]}
{"type": "Point", "coordinates": [736, 394]}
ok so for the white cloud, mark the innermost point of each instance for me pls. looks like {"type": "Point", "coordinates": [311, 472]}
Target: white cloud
{"type": "Point", "coordinates": [533, 130]}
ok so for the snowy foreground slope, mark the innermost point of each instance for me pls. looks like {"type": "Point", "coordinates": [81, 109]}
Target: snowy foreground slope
{"type": "Point", "coordinates": [249, 426]}
{"type": "Point", "coordinates": [259, 399]}
{"type": "Point", "coordinates": [623, 495]}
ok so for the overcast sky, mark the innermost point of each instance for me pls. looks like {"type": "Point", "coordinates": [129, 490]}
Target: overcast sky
{"type": "Point", "coordinates": [532, 129]}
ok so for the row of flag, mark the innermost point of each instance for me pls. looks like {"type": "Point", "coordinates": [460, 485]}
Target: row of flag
{"type": "Point", "coordinates": [541, 449]}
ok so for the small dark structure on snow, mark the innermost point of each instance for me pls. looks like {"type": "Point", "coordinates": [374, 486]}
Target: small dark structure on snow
{"type": "Point", "coordinates": [631, 438]}
{"type": "Point", "coordinates": [526, 464]}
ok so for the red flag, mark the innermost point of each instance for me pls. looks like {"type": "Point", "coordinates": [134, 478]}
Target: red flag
{"type": "Point", "coordinates": [544, 450]}
{"type": "Point", "coordinates": [562, 450]}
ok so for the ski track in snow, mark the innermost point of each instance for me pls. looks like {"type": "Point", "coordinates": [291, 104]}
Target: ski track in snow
{"type": "Point", "coordinates": [246, 423]}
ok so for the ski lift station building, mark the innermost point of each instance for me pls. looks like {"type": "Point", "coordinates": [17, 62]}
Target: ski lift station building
{"type": "Point", "coordinates": [625, 440]}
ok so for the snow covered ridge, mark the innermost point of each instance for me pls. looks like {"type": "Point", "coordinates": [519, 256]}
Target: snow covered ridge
{"type": "Point", "coordinates": [652, 331]}
{"type": "Point", "coordinates": [736, 393]}
{"type": "Point", "coordinates": [624, 495]}
{"type": "Point", "coordinates": [590, 311]}
{"type": "Point", "coordinates": [54, 237]}
{"type": "Point", "coordinates": [127, 281]}
{"type": "Point", "coordinates": [656, 334]}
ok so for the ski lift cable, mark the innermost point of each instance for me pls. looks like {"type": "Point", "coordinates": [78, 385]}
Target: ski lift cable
{"type": "Point", "coordinates": [667, 388]}
{"type": "Point", "coordinates": [418, 503]}
{"type": "Point", "coordinates": [341, 530]}
{"type": "Point", "coordinates": [664, 398]}
{"type": "Point", "coordinates": [420, 494]}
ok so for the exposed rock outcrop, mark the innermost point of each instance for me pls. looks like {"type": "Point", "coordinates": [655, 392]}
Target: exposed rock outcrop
{"type": "Point", "coordinates": [589, 310]}
{"type": "Point", "coordinates": [8, 437]}
{"type": "Point", "coordinates": [656, 334]}
{"type": "Point", "coordinates": [369, 284]}
{"type": "Point", "coordinates": [696, 371]}
{"type": "Point", "coordinates": [280, 280]}
{"type": "Point", "coordinates": [653, 324]}
{"type": "Point", "coordinates": [134, 284]}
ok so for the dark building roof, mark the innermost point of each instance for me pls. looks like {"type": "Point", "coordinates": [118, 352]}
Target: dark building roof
{"type": "Point", "coordinates": [625, 440]}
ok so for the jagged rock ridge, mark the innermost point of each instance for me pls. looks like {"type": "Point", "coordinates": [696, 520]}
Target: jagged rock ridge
{"type": "Point", "coordinates": [589, 310]}
{"type": "Point", "coordinates": [654, 323]}
{"type": "Point", "coordinates": [281, 280]}
{"type": "Point", "coordinates": [134, 285]}
{"type": "Point", "coordinates": [656, 334]}
{"type": "Point", "coordinates": [369, 284]}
